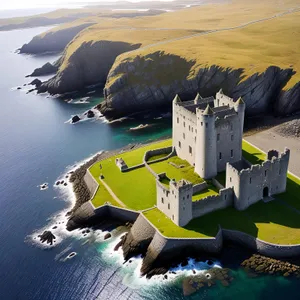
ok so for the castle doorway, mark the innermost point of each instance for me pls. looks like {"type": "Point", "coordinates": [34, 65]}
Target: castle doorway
{"type": "Point", "coordinates": [266, 192]}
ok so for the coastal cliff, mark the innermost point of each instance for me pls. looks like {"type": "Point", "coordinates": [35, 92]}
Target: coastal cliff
{"type": "Point", "coordinates": [153, 80]}
{"type": "Point", "coordinates": [53, 40]}
{"type": "Point", "coordinates": [88, 65]}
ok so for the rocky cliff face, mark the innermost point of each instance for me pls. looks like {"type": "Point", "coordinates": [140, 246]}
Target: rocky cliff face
{"type": "Point", "coordinates": [88, 65]}
{"type": "Point", "coordinates": [154, 80]}
{"type": "Point", "coordinates": [53, 41]}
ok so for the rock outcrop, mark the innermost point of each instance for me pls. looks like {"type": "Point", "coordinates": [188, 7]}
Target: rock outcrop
{"type": "Point", "coordinates": [46, 69]}
{"type": "Point", "coordinates": [53, 40]}
{"type": "Point", "coordinates": [153, 80]}
{"type": "Point", "coordinates": [88, 65]}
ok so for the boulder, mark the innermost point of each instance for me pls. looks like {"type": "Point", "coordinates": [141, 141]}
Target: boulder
{"type": "Point", "coordinates": [90, 114]}
{"type": "Point", "coordinates": [47, 236]}
{"type": "Point", "coordinates": [75, 119]}
{"type": "Point", "coordinates": [107, 236]}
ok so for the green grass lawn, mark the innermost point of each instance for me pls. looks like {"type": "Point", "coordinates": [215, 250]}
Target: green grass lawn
{"type": "Point", "coordinates": [187, 172]}
{"type": "Point", "coordinates": [135, 157]}
{"type": "Point", "coordinates": [211, 190]}
{"type": "Point", "coordinates": [169, 229]}
{"type": "Point", "coordinates": [136, 189]}
{"type": "Point", "coordinates": [157, 157]}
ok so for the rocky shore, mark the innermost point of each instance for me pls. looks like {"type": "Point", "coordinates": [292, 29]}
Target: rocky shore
{"type": "Point", "coordinates": [82, 214]}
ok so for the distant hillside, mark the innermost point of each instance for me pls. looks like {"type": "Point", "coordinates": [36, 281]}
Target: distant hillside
{"type": "Point", "coordinates": [248, 49]}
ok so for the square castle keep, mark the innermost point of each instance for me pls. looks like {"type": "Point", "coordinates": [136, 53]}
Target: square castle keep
{"type": "Point", "coordinates": [208, 133]}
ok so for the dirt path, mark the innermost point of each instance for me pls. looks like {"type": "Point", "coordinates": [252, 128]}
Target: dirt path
{"type": "Point", "coordinates": [112, 193]}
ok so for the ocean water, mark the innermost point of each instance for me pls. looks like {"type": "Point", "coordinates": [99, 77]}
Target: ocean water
{"type": "Point", "coordinates": [38, 145]}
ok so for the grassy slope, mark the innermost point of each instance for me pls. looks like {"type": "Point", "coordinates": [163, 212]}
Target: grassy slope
{"type": "Point", "coordinates": [254, 48]}
{"type": "Point", "coordinates": [132, 36]}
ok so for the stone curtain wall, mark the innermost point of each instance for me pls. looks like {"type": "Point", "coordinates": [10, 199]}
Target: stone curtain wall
{"type": "Point", "coordinates": [264, 248]}
{"type": "Point", "coordinates": [217, 184]}
{"type": "Point", "coordinates": [91, 183]}
{"type": "Point", "coordinates": [213, 203]}
{"type": "Point", "coordinates": [122, 213]}
{"type": "Point", "coordinates": [199, 187]}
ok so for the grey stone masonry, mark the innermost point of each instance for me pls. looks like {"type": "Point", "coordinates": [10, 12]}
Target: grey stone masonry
{"type": "Point", "coordinates": [208, 132]}
{"type": "Point", "coordinates": [258, 181]}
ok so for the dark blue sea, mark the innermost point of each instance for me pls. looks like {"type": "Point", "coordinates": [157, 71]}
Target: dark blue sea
{"type": "Point", "coordinates": [37, 145]}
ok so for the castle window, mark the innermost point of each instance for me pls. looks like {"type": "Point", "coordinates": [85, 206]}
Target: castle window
{"type": "Point", "coordinates": [225, 197]}
{"type": "Point", "coordinates": [177, 120]}
{"type": "Point", "coordinates": [190, 150]}
{"type": "Point", "coordinates": [218, 136]}
{"type": "Point", "coordinates": [183, 207]}
{"type": "Point", "coordinates": [231, 153]}
{"type": "Point", "coordinates": [173, 192]}
{"type": "Point", "coordinates": [206, 124]}
{"type": "Point", "coordinates": [183, 198]}
{"type": "Point", "coordinates": [188, 196]}
{"type": "Point", "coordinates": [168, 205]}
{"type": "Point", "coordinates": [232, 137]}
{"type": "Point", "coordinates": [266, 171]}
{"type": "Point", "coordinates": [173, 217]}
{"type": "Point", "coordinates": [230, 179]}
{"type": "Point", "coordinates": [201, 123]}
{"type": "Point", "coordinates": [183, 135]}
{"type": "Point", "coordinates": [179, 144]}
{"type": "Point", "coordinates": [196, 130]}
{"type": "Point", "coordinates": [250, 180]}
{"type": "Point", "coordinates": [220, 155]}
{"type": "Point", "coordinates": [195, 138]}
{"type": "Point", "coordinates": [231, 126]}
{"type": "Point", "coordinates": [192, 129]}
{"type": "Point", "coordinates": [183, 124]}
{"type": "Point", "coordinates": [162, 200]}
{"type": "Point", "coordinates": [189, 127]}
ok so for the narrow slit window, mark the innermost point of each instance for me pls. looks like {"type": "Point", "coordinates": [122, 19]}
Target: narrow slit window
{"type": "Point", "coordinates": [220, 155]}
{"type": "Point", "coordinates": [231, 152]}
{"type": "Point", "coordinates": [168, 205]}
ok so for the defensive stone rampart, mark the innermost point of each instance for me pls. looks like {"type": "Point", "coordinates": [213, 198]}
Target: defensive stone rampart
{"type": "Point", "coordinates": [212, 203]}
{"type": "Point", "coordinates": [199, 187]}
{"type": "Point", "coordinates": [264, 248]}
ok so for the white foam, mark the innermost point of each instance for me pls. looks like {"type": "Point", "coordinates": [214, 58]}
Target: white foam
{"type": "Point", "coordinates": [60, 219]}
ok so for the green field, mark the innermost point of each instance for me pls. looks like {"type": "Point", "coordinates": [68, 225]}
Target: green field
{"type": "Point", "coordinates": [210, 191]}
{"type": "Point", "coordinates": [172, 172]}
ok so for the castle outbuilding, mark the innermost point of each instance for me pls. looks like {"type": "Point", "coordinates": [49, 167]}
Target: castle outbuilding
{"type": "Point", "coordinates": [208, 133]}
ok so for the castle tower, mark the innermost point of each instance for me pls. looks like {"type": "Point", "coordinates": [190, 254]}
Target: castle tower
{"type": "Point", "coordinates": [240, 107]}
{"type": "Point", "coordinates": [206, 152]}
{"type": "Point", "coordinates": [181, 194]}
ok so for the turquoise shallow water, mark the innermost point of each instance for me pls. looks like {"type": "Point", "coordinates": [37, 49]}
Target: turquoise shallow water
{"type": "Point", "coordinates": [36, 146]}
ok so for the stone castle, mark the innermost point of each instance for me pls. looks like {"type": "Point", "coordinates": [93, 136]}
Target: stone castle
{"type": "Point", "coordinates": [208, 132]}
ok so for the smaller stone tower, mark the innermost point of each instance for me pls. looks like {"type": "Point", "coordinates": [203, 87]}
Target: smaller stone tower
{"type": "Point", "coordinates": [240, 107]}
{"type": "Point", "coordinates": [205, 159]}
{"type": "Point", "coordinates": [181, 193]}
